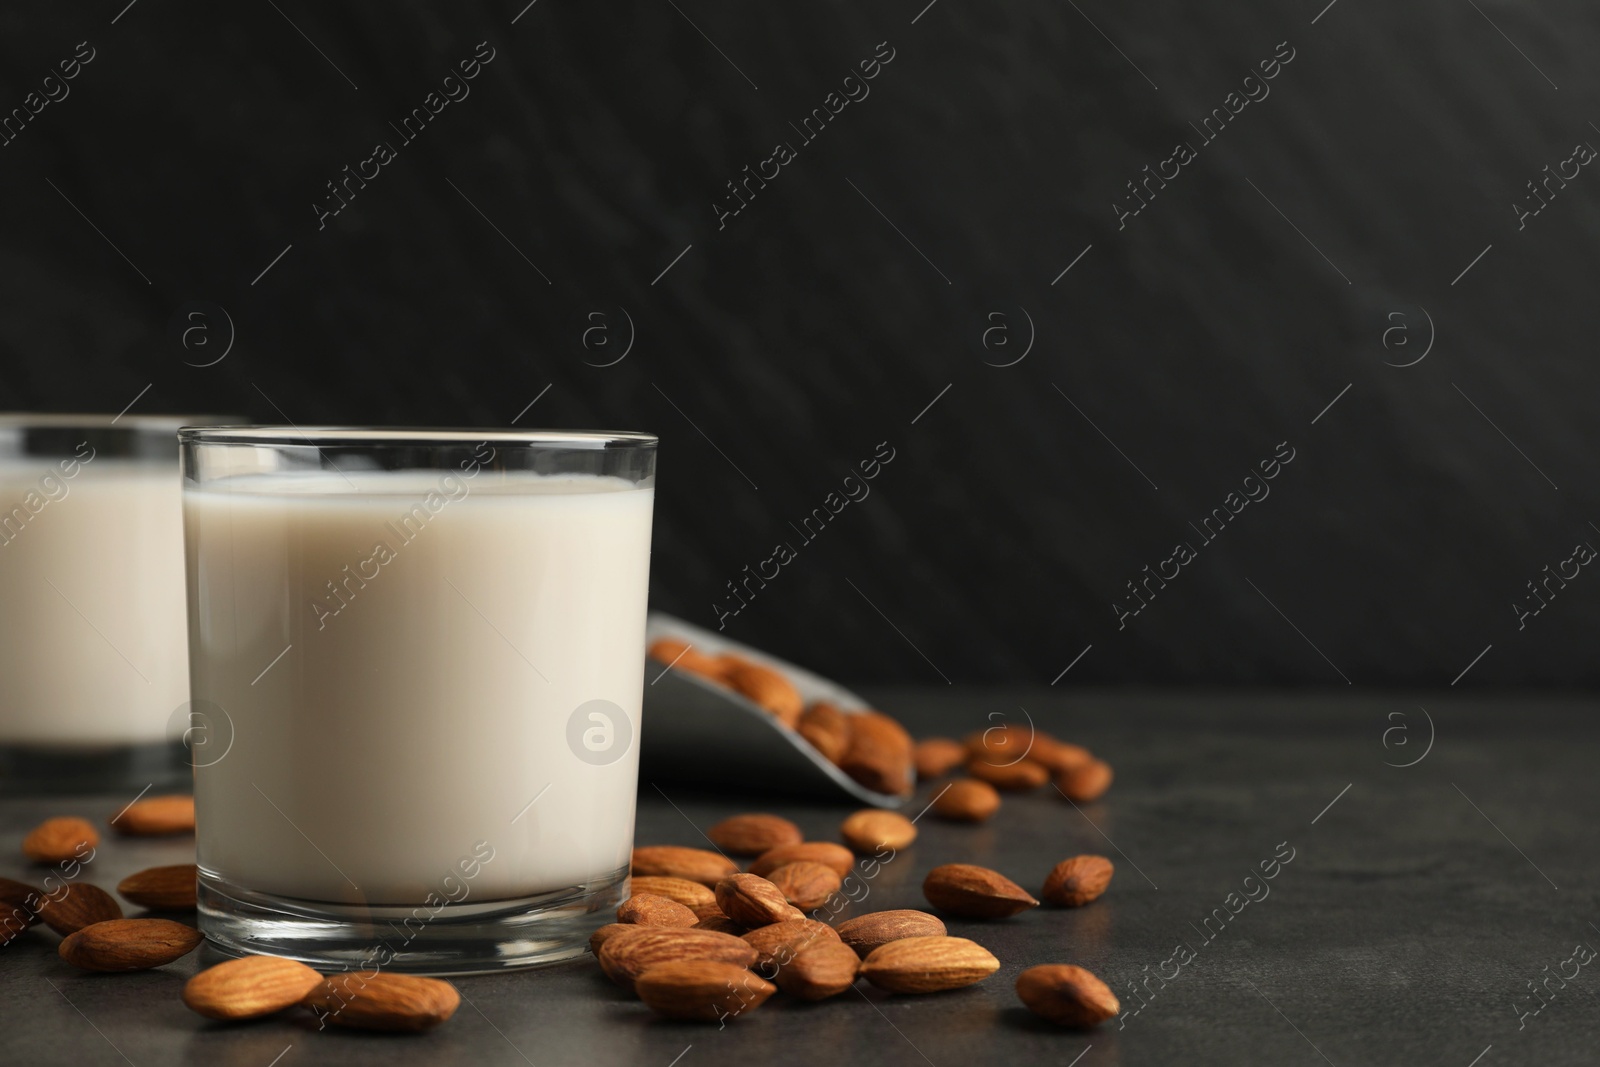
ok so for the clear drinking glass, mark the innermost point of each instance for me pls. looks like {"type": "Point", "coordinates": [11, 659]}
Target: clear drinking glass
{"type": "Point", "coordinates": [94, 658]}
{"type": "Point", "coordinates": [425, 651]}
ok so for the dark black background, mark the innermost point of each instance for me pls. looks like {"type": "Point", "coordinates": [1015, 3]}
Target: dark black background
{"type": "Point", "coordinates": [782, 349]}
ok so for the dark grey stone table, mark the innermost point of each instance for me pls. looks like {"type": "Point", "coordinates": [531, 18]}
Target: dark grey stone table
{"type": "Point", "coordinates": [1421, 906]}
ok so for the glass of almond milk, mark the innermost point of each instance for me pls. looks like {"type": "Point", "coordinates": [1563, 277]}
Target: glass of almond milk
{"type": "Point", "coordinates": [421, 656]}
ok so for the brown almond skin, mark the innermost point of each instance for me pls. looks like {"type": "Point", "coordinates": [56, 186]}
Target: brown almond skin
{"type": "Point", "coordinates": [682, 656]}
{"type": "Point", "coordinates": [1059, 757]}
{"type": "Point", "coordinates": [819, 971]}
{"type": "Point", "coordinates": [872, 830]}
{"type": "Point", "coordinates": [60, 839]}
{"type": "Point", "coordinates": [879, 756]}
{"type": "Point", "coordinates": [806, 885]}
{"type": "Point", "coordinates": [689, 894]}
{"type": "Point", "coordinates": [753, 901]}
{"type": "Point", "coordinates": [720, 923]}
{"type": "Point", "coordinates": [156, 817]}
{"type": "Point", "coordinates": [779, 943]}
{"type": "Point", "coordinates": [826, 853]}
{"type": "Point", "coordinates": [249, 987]}
{"type": "Point", "coordinates": [626, 956]}
{"type": "Point", "coordinates": [162, 888]}
{"type": "Point", "coordinates": [967, 800]}
{"type": "Point", "coordinates": [876, 929]}
{"type": "Point", "coordinates": [751, 835]}
{"type": "Point", "coordinates": [928, 964]}
{"type": "Point", "coordinates": [376, 1000]}
{"type": "Point", "coordinates": [1016, 777]}
{"type": "Point", "coordinates": [1002, 742]}
{"type": "Point", "coordinates": [828, 730]}
{"type": "Point", "coordinates": [18, 904]}
{"type": "Point", "coordinates": [675, 861]}
{"type": "Point", "coordinates": [769, 688]}
{"type": "Point", "coordinates": [1085, 782]}
{"type": "Point", "coordinates": [702, 990]}
{"type": "Point", "coordinates": [936, 757]}
{"type": "Point", "coordinates": [972, 892]}
{"type": "Point", "coordinates": [608, 931]}
{"type": "Point", "coordinates": [1074, 882]}
{"type": "Point", "coordinates": [129, 944]}
{"type": "Point", "coordinates": [647, 909]}
{"type": "Point", "coordinates": [80, 906]}
{"type": "Point", "coordinates": [1067, 995]}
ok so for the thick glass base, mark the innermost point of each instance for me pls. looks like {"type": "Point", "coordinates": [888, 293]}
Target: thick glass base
{"type": "Point", "coordinates": [467, 938]}
{"type": "Point", "coordinates": [161, 766]}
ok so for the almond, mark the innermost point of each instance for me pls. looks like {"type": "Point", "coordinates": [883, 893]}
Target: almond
{"type": "Point", "coordinates": [702, 990]}
{"type": "Point", "coordinates": [806, 885]}
{"type": "Point", "coordinates": [709, 910]}
{"type": "Point", "coordinates": [867, 932]}
{"type": "Point", "coordinates": [770, 689]}
{"type": "Point", "coordinates": [720, 923]}
{"type": "Point", "coordinates": [1058, 756]}
{"type": "Point", "coordinates": [1002, 743]}
{"type": "Point", "coordinates": [683, 656]}
{"type": "Point", "coordinates": [1086, 781]}
{"type": "Point", "coordinates": [819, 971]}
{"type": "Point", "coordinates": [1074, 882]}
{"type": "Point", "coordinates": [624, 957]}
{"type": "Point", "coordinates": [879, 756]}
{"type": "Point", "coordinates": [871, 830]}
{"type": "Point", "coordinates": [824, 852]}
{"type": "Point", "coordinates": [81, 905]}
{"type": "Point", "coordinates": [828, 730]}
{"type": "Point", "coordinates": [751, 835]}
{"type": "Point", "coordinates": [162, 888]}
{"type": "Point", "coordinates": [1014, 777]}
{"type": "Point", "coordinates": [373, 1000]}
{"type": "Point", "coordinates": [938, 756]}
{"type": "Point", "coordinates": [156, 816]}
{"type": "Point", "coordinates": [754, 901]}
{"type": "Point", "coordinates": [674, 861]}
{"type": "Point", "coordinates": [973, 892]}
{"type": "Point", "coordinates": [58, 840]}
{"type": "Point", "coordinates": [967, 800]}
{"type": "Point", "coordinates": [249, 987]}
{"type": "Point", "coordinates": [928, 964]}
{"type": "Point", "coordinates": [689, 894]}
{"type": "Point", "coordinates": [610, 930]}
{"type": "Point", "coordinates": [18, 908]}
{"type": "Point", "coordinates": [128, 944]}
{"type": "Point", "coordinates": [1066, 994]}
{"type": "Point", "coordinates": [647, 909]}
{"type": "Point", "coordinates": [776, 945]}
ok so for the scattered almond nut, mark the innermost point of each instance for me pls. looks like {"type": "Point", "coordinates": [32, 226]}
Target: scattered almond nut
{"type": "Point", "coordinates": [720, 923]}
{"type": "Point", "coordinates": [623, 957]}
{"type": "Point", "coordinates": [967, 800]}
{"type": "Point", "coordinates": [872, 829]}
{"type": "Point", "coordinates": [376, 1000]}
{"type": "Point", "coordinates": [647, 909]}
{"type": "Point", "coordinates": [156, 816]}
{"type": "Point", "coordinates": [928, 964]}
{"type": "Point", "coordinates": [249, 987]}
{"type": "Point", "coordinates": [973, 892]}
{"type": "Point", "coordinates": [879, 756]}
{"type": "Point", "coordinates": [751, 835]}
{"type": "Point", "coordinates": [702, 990]}
{"type": "Point", "coordinates": [689, 894]}
{"type": "Point", "coordinates": [828, 730]}
{"type": "Point", "coordinates": [1002, 743]}
{"type": "Point", "coordinates": [128, 944]}
{"type": "Point", "coordinates": [18, 908]}
{"type": "Point", "coordinates": [610, 930]}
{"type": "Point", "coordinates": [162, 888]}
{"type": "Point", "coordinates": [1074, 882]}
{"type": "Point", "coordinates": [683, 656]}
{"type": "Point", "coordinates": [79, 906]}
{"type": "Point", "coordinates": [806, 885]}
{"type": "Point", "coordinates": [1058, 756]}
{"type": "Point", "coordinates": [1086, 781]}
{"type": "Point", "coordinates": [1066, 994]}
{"type": "Point", "coordinates": [875, 929]}
{"type": "Point", "coordinates": [1017, 776]}
{"type": "Point", "coordinates": [824, 852]}
{"type": "Point", "coordinates": [819, 971]}
{"type": "Point", "coordinates": [938, 756]}
{"type": "Point", "coordinates": [57, 840]}
{"type": "Point", "coordinates": [769, 688]}
{"type": "Point", "coordinates": [674, 861]}
{"type": "Point", "coordinates": [753, 901]}
{"type": "Point", "coordinates": [779, 943]}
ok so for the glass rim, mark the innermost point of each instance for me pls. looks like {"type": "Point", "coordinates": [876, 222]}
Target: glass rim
{"type": "Point", "coordinates": [406, 436]}
{"type": "Point", "coordinates": [124, 423]}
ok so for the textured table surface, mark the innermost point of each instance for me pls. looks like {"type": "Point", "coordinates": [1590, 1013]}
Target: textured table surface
{"type": "Point", "coordinates": [1420, 903]}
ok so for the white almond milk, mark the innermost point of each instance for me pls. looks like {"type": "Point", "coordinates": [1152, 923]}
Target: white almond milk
{"type": "Point", "coordinates": [91, 584]}
{"type": "Point", "coordinates": [419, 710]}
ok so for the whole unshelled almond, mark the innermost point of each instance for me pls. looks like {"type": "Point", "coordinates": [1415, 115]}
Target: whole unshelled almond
{"type": "Point", "coordinates": [1014, 777]}
{"type": "Point", "coordinates": [806, 885]}
{"type": "Point", "coordinates": [249, 987]}
{"type": "Point", "coordinates": [819, 971]}
{"type": "Point", "coordinates": [156, 816]}
{"type": "Point", "coordinates": [973, 892]}
{"type": "Point", "coordinates": [702, 990]}
{"type": "Point", "coordinates": [162, 888]}
{"type": "Point", "coordinates": [779, 943]}
{"type": "Point", "coordinates": [826, 853]}
{"type": "Point", "coordinates": [683, 656]}
{"type": "Point", "coordinates": [674, 861]}
{"type": "Point", "coordinates": [689, 894]}
{"type": "Point", "coordinates": [375, 1000]}
{"type": "Point", "coordinates": [57, 840]}
{"type": "Point", "coordinates": [936, 757]}
{"type": "Point", "coordinates": [967, 800]}
{"type": "Point", "coordinates": [871, 830]}
{"type": "Point", "coordinates": [1086, 781]}
{"type": "Point", "coordinates": [876, 929]}
{"type": "Point", "coordinates": [1058, 756]}
{"type": "Point", "coordinates": [720, 923]}
{"type": "Point", "coordinates": [827, 728]}
{"type": "Point", "coordinates": [879, 756]}
{"type": "Point", "coordinates": [610, 930]}
{"type": "Point", "coordinates": [1066, 994]}
{"type": "Point", "coordinates": [18, 904]}
{"type": "Point", "coordinates": [769, 688]}
{"type": "Point", "coordinates": [624, 957]}
{"type": "Point", "coordinates": [928, 964]}
{"type": "Point", "coordinates": [754, 901]}
{"type": "Point", "coordinates": [647, 909]}
{"type": "Point", "coordinates": [79, 906]}
{"type": "Point", "coordinates": [129, 944]}
{"type": "Point", "coordinates": [1074, 882]}
{"type": "Point", "coordinates": [1002, 742]}
{"type": "Point", "coordinates": [751, 835]}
